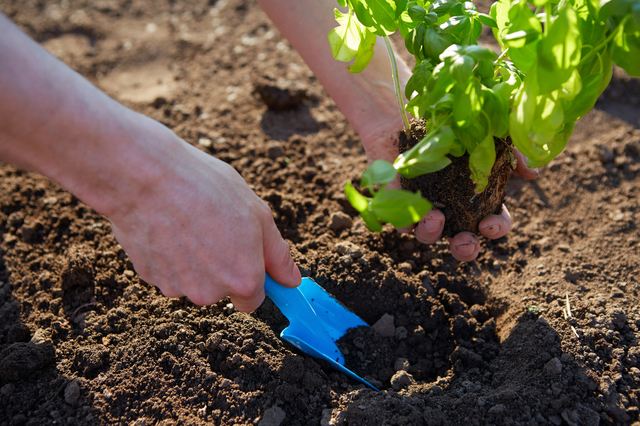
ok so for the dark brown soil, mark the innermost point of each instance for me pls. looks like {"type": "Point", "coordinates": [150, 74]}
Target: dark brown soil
{"type": "Point", "coordinates": [84, 342]}
{"type": "Point", "coordinates": [452, 190]}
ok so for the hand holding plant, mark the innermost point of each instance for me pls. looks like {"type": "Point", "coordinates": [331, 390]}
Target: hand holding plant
{"type": "Point", "coordinates": [556, 59]}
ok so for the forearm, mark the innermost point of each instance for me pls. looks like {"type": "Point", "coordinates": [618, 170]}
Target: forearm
{"type": "Point", "coordinates": [56, 123]}
{"type": "Point", "coordinates": [367, 99]}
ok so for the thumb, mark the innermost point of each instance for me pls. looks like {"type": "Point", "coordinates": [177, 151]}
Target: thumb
{"type": "Point", "coordinates": [277, 257]}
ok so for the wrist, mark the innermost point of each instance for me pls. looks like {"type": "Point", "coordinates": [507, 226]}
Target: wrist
{"type": "Point", "coordinates": [128, 166]}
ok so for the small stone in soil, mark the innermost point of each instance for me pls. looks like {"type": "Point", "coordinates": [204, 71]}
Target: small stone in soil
{"type": "Point", "coordinates": [401, 364]}
{"type": "Point", "coordinates": [274, 416]}
{"type": "Point", "coordinates": [401, 333]}
{"type": "Point", "coordinates": [274, 150]}
{"type": "Point", "coordinates": [401, 380]}
{"type": "Point", "coordinates": [349, 249]}
{"type": "Point", "coordinates": [553, 367]}
{"type": "Point", "coordinates": [385, 326]}
{"type": "Point", "coordinates": [339, 221]}
{"type": "Point", "coordinates": [72, 392]}
{"type": "Point", "coordinates": [8, 389]}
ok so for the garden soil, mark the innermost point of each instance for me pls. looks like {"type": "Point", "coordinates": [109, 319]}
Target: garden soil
{"type": "Point", "coordinates": [542, 329]}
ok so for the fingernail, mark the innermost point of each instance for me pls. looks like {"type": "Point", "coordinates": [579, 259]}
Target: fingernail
{"type": "Point", "coordinates": [491, 231]}
{"type": "Point", "coordinates": [536, 171]}
{"type": "Point", "coordinates": [433, 225]}
{"type": "Point", "coordinates": [466, 249]}
{"type": "Point", "coordinates": [297, 276]}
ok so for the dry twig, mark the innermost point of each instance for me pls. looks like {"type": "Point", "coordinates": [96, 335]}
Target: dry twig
{"type": "Point", "coordinates": [567, 314]}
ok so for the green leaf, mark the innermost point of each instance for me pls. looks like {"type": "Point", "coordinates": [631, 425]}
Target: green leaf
{"type": "Point", "coordinates": [609, 8]}
{"type": "Point", "coordinates": [457, 149]}
{"type": "Point", "coordinates": [500, 13]}
{"type": "Point", "coordinates": [522, 35]}
{"type": "Point", "coordinates": [455, 25]}
{"type": "Point", "coordinates": [442, 7]}
{"type": "Point", "coordinates": [591, 29]}
{"type": "Point", "coordinates": [496, 107]}
{"type": "Point", "coordinates": [471, 36]}
{"type": "Point", "coordinates": [378, 14]}
{"type": "Point", "coordinates": [379, 172]}
{"type": "Point", "coordinates": [462, 68]}
{"type": "Point", "coordinates": [435, 42]}
{"type": "Point", "coordinates": [372, 222]}
{"type": "Point", "coordinates": [470, 9]}
{"type": "Point", "coordinates": [485, 71]}
{"type": "Point", "coordinates": [418, 41]}
{"type": "Point", "coordinates": [480, 53]}
{"type": "Point", "coordinates": [509, 84]}
{"type": "Point", "coordinates": [399, 207]}
{"type": "Point", "coordinates": [559, 51]}
{"type": "Point", "coordinates": [406, 24]}
{"type": "Point", "coordinates": [431, 18]}
{"type": "Point", "coordinates": [419, 79]}
{"type": "Point", "coordinates": [460, 65]}
{"type": "Point", "coordinates": [536, 119]}
{"type": "Point", "coordinates": [487, 20]}
{"type": "Point", "coordinates": [365, 52]}
{"type": "Point", "coordinates": [570, 88]}
{"type": "Point", "coordinates": [363, 205]}
{"type": "Point", "coordinates": [427, 156]}
{"type": "Point", "coordinates": [556, 146]}
{"type": "Point", "coordinates": [467, 103]}
{"type": "Point", "coordinates": [356, 199]}
{"type": "Point", "coordinates": [417, 13]}
{"type": "Point", "coordinates": [438, 86]}
{"type": "Point", "coordinates": [342, 3]}
{"type": "Point", "coordinates": [521, 18]}
{"type": "Point", "coordinates": [401, 6]}
{"type": "Point", "coordinates": [345, 39]}
{"type": "Point", "coordinates": [625, 52]}
{"type": "Point", "coordinates": [471, 135]}
{"type": "Point", "coordinates": [481, 162]}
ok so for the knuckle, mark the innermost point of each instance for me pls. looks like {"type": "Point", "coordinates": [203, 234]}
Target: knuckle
{"type": "Point", "coordinates": [247, 288]}
{"type": "Point", "coordinates": [205, 295]}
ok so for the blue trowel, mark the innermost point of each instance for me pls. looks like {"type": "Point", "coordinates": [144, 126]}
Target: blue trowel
{"type": "Point", "coordinates": [316, 321]}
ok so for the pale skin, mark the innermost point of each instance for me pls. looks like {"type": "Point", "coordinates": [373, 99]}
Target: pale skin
{"type": "Point", "coordinates": [188, 221]}
{"type": "Point", "coordinates": [369, 103]}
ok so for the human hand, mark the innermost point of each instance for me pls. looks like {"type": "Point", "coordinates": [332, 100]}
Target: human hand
{"type": "Point", "coordinates": [188, 221]}
{"type": "Point", "coordinates": [199, 231]}
{"type": "Point", "coordinates": [369, 102]}
{"type": "Point", "coordinates": [464, 246]}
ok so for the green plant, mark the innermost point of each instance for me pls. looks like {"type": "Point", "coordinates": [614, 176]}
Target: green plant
{"type": "Point", "coordinates": [556, 60]}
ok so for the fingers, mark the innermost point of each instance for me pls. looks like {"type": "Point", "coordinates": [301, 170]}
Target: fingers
{"type": "Point", "coordinates": [250, 303]}
{"type": "Point", "coordinates": [429, 229]}
{"type": "Point", "coordinates": [465, 246]}
{"type": "Point", "coordinates": [521, 167]}
{"type": "Point", "coordinates": [495, 226]}
{"type": "Point", "coordinates": [277, 257]}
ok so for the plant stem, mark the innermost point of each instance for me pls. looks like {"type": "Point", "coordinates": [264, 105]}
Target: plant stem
{"type": "Point", "coordinates": [606, 41]}
{"type": "Point", "coordinates": [502, 55]}
{"type": "Point", "coordinates": [547, 23]}
{"type": "Point", "coordinates": [396, 82]}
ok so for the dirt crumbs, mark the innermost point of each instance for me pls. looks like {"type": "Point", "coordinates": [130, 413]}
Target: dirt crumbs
{"type": "Point", "coordinates": [542, 329]}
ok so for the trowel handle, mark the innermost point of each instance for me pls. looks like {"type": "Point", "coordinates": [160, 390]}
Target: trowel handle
{"type": "Point", "coordinates": [290, 301]}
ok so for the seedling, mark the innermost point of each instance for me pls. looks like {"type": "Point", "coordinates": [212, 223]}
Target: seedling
{"type": "Point", "coordinates": [556, 59]}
